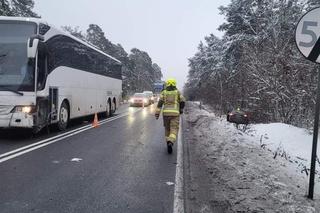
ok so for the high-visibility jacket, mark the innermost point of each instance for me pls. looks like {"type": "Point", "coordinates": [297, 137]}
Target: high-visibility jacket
{"type": "Point", "coordinates": [170, 101]}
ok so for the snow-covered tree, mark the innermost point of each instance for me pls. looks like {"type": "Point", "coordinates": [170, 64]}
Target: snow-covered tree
{"type": "Point", "coordinates": [313, 4]}
{"type": "Point", "coordinates": [258, 67]}
{"type": "Point", "coordinates": [75, 31]}
{"type": "Point", "coordinates": [22, 8]}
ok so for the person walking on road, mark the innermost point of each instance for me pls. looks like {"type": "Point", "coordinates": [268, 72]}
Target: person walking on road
{"type": "Point", "coordinates": [171, 103]}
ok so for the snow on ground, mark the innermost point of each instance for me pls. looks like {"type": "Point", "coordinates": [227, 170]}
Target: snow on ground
{"type": "Point", "coordinates": [295, 142]}
{"type": "Point", "coordinates": [228, 170]}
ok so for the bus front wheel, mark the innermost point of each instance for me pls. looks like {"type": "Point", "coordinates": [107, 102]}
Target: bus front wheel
{"type": "Point", "coordinates": [63, 116]}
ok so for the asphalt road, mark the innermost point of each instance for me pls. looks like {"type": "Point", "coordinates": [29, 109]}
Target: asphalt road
{"type": "Point", "coordinates": [122, 166]}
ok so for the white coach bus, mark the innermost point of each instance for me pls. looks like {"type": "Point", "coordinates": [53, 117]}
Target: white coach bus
{"type": "Point", "coordinates": [48, 76]}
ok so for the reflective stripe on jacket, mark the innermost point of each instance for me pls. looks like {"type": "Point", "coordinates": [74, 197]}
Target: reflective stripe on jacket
{"type": "Point", "coordinates": [171, 102]}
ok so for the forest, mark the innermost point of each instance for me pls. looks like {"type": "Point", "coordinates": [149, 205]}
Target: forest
{"type": "Point", "coordinates": [256, 65]}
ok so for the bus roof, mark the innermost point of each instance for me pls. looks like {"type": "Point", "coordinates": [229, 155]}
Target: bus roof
{"type": "Point", "coordinates": [58, 31]}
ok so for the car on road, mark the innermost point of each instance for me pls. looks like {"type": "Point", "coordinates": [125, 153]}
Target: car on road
{"type": "Point", "coordinates": [156, 97]}
{"type": "Point", "coordinates": [238, 117]}
{"type": "Point", "coordinates": [150, 96]}
{"type": "Point", "coordinates": [139, 99]}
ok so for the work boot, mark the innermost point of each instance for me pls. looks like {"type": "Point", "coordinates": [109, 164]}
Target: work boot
{"type": "Point", "coordinates": [169, 146]}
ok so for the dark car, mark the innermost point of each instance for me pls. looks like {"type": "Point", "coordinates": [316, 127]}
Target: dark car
{"type": "Point", "coordinates": [238, 117]}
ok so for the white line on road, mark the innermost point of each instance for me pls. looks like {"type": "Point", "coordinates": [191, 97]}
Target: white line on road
{"type": "Point", "coordinates": [178, 204]}
{"type": "Point", "coordinates": [23, 150]}
{"type": "Point", "coordinates": [41, 142]}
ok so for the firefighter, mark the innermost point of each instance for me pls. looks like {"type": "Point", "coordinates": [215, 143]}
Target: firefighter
{"type": "Point", "coordinates": [171, 103]}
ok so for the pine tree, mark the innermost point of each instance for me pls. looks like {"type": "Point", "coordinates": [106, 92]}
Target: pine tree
{"type": "Point", "coordinates": [23, 8]}
{"type": "Point", "coordinates": [5, 8]}
{"type": "Point", "coordinates": [17, 8]}
{"type": "Point", "coordinates": [75, 32]}
{"type": "Point", "coordinates": [143, 71]}
{"type": "Point", "coordinates": [96, 37]}
{"type": "Point", "coordinates": [313, 4]}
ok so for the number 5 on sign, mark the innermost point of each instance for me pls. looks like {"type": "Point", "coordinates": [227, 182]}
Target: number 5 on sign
{"type": "Point", "coordinates": [306, 31]}
{"type": "Point", "coordinates": [308, 34]}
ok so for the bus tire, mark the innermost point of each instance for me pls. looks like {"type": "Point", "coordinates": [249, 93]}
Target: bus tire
{"type": "Point", "coordinates": [108, 109]}
{"type": "Point", "coordinates": [113, 108]}
{"type": "Point", "coordinates": [63, 116]}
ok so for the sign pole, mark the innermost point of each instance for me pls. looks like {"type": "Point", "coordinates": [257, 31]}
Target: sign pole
{"type": "Point", "coordinates": [307, 38]}
{"type": "Point", "coordinates": [314, 143]}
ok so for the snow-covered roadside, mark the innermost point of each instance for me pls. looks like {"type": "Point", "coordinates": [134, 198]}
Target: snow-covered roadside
{"type": "Point", "coordinates": [290, 142]}
{"type": "Point", "coordinates": [228, 171]}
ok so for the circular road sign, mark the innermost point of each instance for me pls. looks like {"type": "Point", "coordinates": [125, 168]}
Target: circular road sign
{"type": "Point", "coordinates": [308, 35]}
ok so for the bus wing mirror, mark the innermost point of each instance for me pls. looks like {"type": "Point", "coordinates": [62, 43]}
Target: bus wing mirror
{"type": "Point", "coordinates": [33, 43]}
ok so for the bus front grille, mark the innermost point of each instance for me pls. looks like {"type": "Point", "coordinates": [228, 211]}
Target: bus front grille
{"type": "Point", "coordinates": [4, 110]}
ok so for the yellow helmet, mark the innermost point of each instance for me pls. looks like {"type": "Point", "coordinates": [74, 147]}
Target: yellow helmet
{"type": "Point", "coordinates": [171, 82]}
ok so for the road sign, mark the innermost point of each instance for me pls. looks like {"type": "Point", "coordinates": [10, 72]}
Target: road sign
{"type": "Point", "coordinates": [308, 35]}
{"type": "Point", "coordinates": [308, 42]}
{"type": "Point", "coordinates": [158, 87]}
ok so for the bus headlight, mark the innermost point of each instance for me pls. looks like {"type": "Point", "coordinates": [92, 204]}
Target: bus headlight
{"type": "Point", "coordinates": [25, 109]}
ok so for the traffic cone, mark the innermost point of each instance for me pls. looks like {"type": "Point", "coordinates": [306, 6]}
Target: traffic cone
{"type": "Point", "coordinates": [95, 121]}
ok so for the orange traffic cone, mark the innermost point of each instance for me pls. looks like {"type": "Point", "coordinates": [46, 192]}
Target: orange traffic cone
{"type": "Point", "coordinates": [95, 121]}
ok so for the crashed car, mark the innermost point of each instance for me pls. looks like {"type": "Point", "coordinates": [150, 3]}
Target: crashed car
{"type": "Point", "coordinates": [238, 117]}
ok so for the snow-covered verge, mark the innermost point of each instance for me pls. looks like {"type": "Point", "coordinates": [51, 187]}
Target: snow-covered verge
{"type": "Point", "coordinates": [227, 170]}
{"type": "Point", "coordinates": [290, 142]}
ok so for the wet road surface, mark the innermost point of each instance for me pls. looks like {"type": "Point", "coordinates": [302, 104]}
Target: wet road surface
{"type": "Point", "coordinates": [122, 166]}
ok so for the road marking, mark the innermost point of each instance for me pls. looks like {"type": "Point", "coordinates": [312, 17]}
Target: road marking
{"type": "Point", "coordinates": [76, 160]}
{"type": "Point", "coordinates": [41, 142]}
{"type": "Point", "coordinates": [178, 204]}
{"type": "Point", "coordinates": [52, 138]}
{"type": "Point", "coordinates": [23, 150]}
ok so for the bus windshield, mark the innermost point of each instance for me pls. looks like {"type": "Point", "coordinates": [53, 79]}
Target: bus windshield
{"type": "Point", "coordinates": [15, 71]}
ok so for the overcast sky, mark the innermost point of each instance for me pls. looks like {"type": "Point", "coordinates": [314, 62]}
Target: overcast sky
{"type": "Point", "coordinates": [169, 30]}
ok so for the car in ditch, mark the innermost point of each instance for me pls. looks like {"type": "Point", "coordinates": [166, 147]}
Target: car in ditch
{"type": "Point", "coordinates": [238, 116]}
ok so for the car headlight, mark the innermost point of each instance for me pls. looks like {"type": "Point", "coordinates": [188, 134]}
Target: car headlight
{"type": "Point", "coordinates": [145, 100]}
{"type": "Point", "coordinates": [131, 100]}
{"type": "Point", "coordinates": [25, 109]}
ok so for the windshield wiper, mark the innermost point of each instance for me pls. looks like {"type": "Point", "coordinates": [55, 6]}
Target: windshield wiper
{"type": "Point", "coordinates": [11, 90]}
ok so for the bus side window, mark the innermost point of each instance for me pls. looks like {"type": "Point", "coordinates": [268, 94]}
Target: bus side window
{"type": "Point", "coordinates": [42, 68]}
